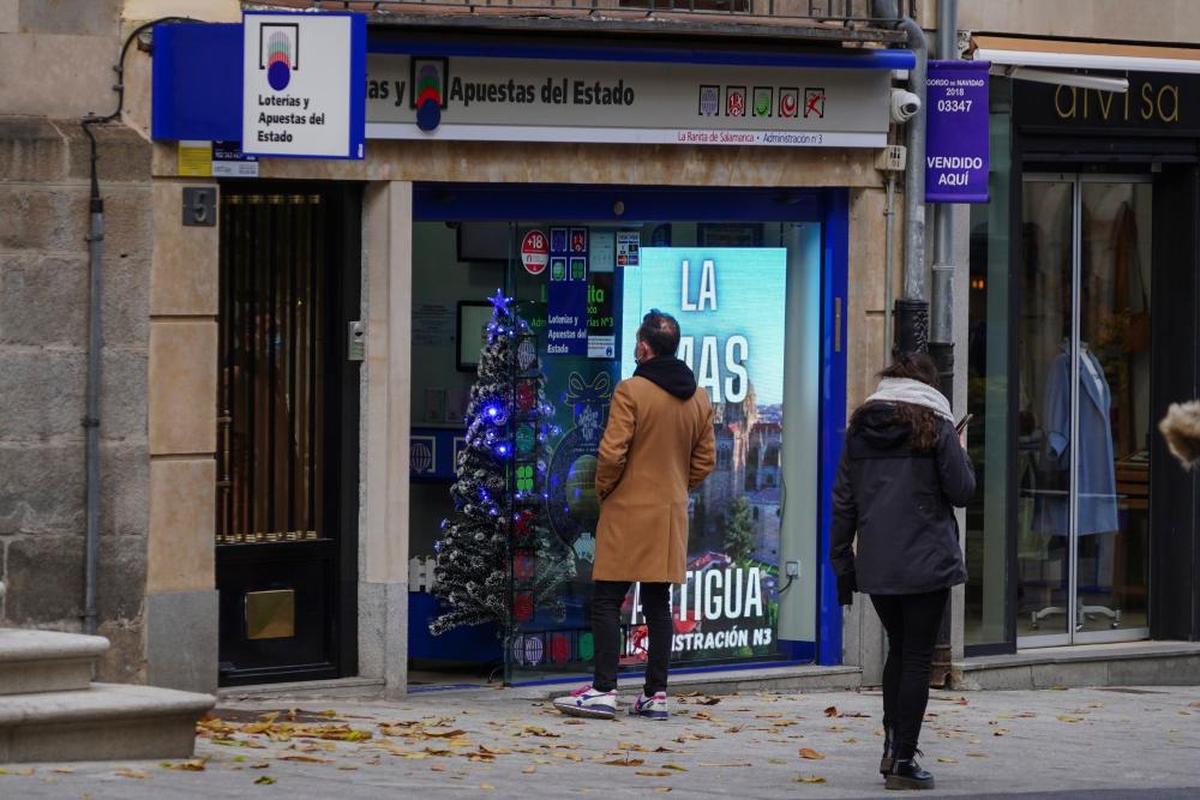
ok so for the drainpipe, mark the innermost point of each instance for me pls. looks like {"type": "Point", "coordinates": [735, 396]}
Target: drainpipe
{"type": "Point", "coordinates": [91, 417]}
{"type": "Point", "coordinates": [912, 309]}
{"type": "Point", "coordinates": [941, 333]}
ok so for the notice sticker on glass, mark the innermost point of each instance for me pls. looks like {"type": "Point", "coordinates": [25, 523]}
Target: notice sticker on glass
{"type": "Point", "coordinates": [629, 245]}
{"type": "Point", "coordinates": [604, 253]}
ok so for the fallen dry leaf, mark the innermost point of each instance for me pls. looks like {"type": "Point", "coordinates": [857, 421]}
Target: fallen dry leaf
{"type": "Point", "coordinates": [1069, 718]}
{"type": "Point", "coordinates": [529, 770]}
{"type": "Point", "coordinates": [487, 787]}
{"type": "Point", "coordinates": [662, 788]}
{"type": "Point", "coordinates": [810, 754]}
{"type": "Point", "coordinates": [947, 760]}
{"type": "Point", "coordinates": [264, 780]}
{"type": "Point", "coordinates": [710, 701]}
{"type": "Point", "coordinates": [653, 773]}
{"type": "Point", "coordinates": [675, 767]}
{"type": "Point", "coordinates": [63, 770]}
{"type": "Point", "coordinates": [832, 712]}
{"type": "Point", "coordinates": [303, 759]}
{"type": "Point", "coordinates": [191, 765]}
{"type": "Point", "coordinates": [437, 768]}
{"type": "Point", "coordinates": [999, 731]}
{"type": "Point", "coordinates": [260, 765]}
{"type": "Point", "coordinates": [625, 762]}
{"type": "Point", "coordinates": [810, 779]}
{"type": "Point", "coordinates": [126, 772]}
{"type": "Point", "coordinates": [977, 755]}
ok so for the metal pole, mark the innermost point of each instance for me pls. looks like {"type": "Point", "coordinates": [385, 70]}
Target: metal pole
{"type": "Point", "coordinates": [912, 309]}
{"type": "Point", "coordinates": [91, 420]}
{"type": "Point", "coordinates": [941, 333]}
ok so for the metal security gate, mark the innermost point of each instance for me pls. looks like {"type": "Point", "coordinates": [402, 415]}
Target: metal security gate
{"type": "Point", "coordinates": [285, 539]}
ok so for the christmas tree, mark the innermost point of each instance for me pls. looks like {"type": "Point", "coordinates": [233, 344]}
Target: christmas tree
{"type": "Point", "coordinates": [497, 560]}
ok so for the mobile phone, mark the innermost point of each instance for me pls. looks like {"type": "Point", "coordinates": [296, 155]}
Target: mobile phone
{"type": "Point", "coordinates": [964, 422]}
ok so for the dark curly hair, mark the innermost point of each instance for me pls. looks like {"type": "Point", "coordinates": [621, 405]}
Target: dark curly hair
{"type": "Point", "coordinates": [925, 425]}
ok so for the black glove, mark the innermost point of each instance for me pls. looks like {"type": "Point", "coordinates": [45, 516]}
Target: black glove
{"type": "Point", "coordinates": [847, 585]}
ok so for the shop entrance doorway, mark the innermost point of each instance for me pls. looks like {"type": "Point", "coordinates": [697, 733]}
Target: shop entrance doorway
{"type": "Point", "coordinates": [287, 432]}
{"type": "Point", "coordinates": [1086, 419]}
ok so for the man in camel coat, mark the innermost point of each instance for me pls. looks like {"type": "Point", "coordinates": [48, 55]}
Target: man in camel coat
{"type": "Point", "coordinates": [658, 445]}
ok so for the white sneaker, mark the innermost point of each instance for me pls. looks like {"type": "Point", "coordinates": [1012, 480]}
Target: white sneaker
{"type": "Point", "coordinates": [650, 707]}
{"type": "Point", "coordinates": [587, 702]}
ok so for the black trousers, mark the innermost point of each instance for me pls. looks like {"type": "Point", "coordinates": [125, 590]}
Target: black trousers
{"type": "Point", "coordinates": [911, 622]}
{"type": "Point", "coordinates": [606, 630]}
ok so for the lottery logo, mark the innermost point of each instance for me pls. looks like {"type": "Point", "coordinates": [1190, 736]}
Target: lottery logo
{"type": "Point", "coordinates": [764, 97]}
{"type": "Point", "coordinates": [789, 103]}
{"type": "Point", "coordinates": [814, 103]}
{"type": "Point", "coordinates": [526, 354]}
{"type": "Point", "coordinates": [279, 53]}
{"type": "Point", "coordinates": [558, 240]}
{"type": "Point", "coordinates": [735, 101]}
{"type": "Point", "coordinates": [710, 101]}
{"type": "Point", "coordinates": [579, 240]}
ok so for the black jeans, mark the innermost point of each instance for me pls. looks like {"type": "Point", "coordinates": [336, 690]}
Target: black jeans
{"type": "Point", "coordinates": [911, 622]}
{"type": "Point", "coordinates": [606, 630]}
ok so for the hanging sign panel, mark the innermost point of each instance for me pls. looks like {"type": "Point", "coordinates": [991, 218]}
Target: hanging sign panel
{"type": "Point", "coordinates": [303, 79]}
{"type": "Point", "coordinates": [956, 151]}
{"type": "Point", "coordinates": [544, 100]}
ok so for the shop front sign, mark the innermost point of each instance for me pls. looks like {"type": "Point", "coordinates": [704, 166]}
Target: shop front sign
{"type": "Point", "coordinates": [302, 84]}
{"type": "Point", "coordinates": [544, 100]}
{"type": "Point", "coordinates": [956, 152]}
{"type": "Point", "coordinates": [1157, 103]}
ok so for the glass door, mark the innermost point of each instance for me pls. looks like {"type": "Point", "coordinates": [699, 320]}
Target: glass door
{"type": "Point", "coordinates": [1083, 463]}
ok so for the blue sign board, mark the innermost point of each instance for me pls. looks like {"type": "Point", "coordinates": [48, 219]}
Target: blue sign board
{"type": "Point", "coordinates": [567, 294]}
{"type": "Point", "coordinates": [197, 84]}
{"type": "Point", "coordinates": [956, 151]}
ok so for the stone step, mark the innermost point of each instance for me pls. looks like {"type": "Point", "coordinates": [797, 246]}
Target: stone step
{"type": "Point", "coordinates": [46, 661]}
{"type": "Point", "coordinates": [105, 722]}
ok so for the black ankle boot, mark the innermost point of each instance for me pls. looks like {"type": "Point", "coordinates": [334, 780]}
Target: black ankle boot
{"type": "Point", "coordinates": [907, 774]}
{"type": "Point", "coordinates": [889, 752]}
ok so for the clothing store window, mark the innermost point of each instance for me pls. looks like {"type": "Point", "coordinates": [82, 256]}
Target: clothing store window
{"type": "Point", "coordinates": [1084, 420]}
{"type": "Point", "coordinates": [987, 618]}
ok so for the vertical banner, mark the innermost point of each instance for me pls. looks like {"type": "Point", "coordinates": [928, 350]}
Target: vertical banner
{"type": "Point", "coordinates": [567, 295]}
{"type": "Point", "coordinates": [730, 303]}
{"type": "Point", "coordinates": [956, 152]}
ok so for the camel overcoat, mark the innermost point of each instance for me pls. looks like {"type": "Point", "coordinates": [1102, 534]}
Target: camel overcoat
{"type": "Point", "coordinates": [655, 448]}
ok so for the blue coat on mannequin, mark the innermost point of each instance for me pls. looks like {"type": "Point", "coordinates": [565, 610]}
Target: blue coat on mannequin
{"type": "Point", "coordinates": [1096, 479]}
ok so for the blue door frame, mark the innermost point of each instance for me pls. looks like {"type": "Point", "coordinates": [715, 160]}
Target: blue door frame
{"type": "Point", "coordinates": [436, 202]}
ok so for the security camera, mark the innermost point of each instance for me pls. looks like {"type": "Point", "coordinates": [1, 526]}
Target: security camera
{"type": "Point", "coordinates": [905, 105]}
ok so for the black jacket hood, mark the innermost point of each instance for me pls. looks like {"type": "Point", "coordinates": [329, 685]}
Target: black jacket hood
{"type": "Point", "coordinates": [669, 374]}
{"type": "Point", "coordinates": [880, 427]}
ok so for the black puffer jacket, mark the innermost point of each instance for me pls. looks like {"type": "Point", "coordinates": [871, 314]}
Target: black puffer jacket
{"type": "Point", "coordinates": [901, 505]}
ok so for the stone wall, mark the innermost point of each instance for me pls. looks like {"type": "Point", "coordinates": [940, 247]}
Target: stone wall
{"type": "Point", "coordinates": [44, 173]}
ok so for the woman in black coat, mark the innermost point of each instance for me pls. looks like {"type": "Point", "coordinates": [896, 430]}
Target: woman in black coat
{"type": "Point", "coordinates": [903, 470]}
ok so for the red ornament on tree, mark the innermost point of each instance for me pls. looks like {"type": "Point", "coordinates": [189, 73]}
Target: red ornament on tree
{"type": "Point", "coordinates": [523, 567]}
{"type": "Point", "coordinates": [560, 648]}
{"type": "Point", "coordinates": [523, 606]}
{"type": "Point", "coordinates": [524, 523]}
{"type": "Point", "coordinates": [526, 396]}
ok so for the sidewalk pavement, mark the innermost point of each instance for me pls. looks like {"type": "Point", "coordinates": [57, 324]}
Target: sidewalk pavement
{"type": "Point", "coordinates": [1094, 743]}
